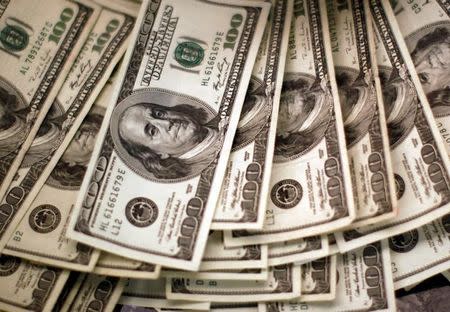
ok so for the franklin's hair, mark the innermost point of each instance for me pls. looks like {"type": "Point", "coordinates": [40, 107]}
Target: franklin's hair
{"type": "Point", "coordinates": [72, 175]}
{"type": "Point", "coordinates": [170, 167]}
{"type": "Point", "coordinates": [437, 36]}
{"type": "Point", "coordinates": [439, 99]}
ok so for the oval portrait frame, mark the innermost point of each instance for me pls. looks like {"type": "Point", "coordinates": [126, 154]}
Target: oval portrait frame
{"type": "Point", "coordinates": [164, 98]}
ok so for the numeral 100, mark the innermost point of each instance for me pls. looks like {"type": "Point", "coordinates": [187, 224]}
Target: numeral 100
{"type": "Point", "coordinates": [233, 33]}
{"type": "Point", "coordinates": [60, 26]}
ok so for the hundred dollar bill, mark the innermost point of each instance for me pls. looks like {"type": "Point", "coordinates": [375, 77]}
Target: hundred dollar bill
{"type": "Point", "coordinates": [217, 256]}
{"type": "Point", "coordinates": [60, 152]}
{"type": "Point", "coordinates": [68, 293]}
{"type": "Point", "coordinates": [97, 293]}
{"type": "Point", "coordinates": [154, 178]}
{"type": "Point", "coordinates": [425, 25]}
{"type": "Point", "coordinates": [41, 234]}
{"type": "Point", "coordinates": [237, 274]}
{"type": "Point", "coordinates": [419, 158]}
{"type": "Point", "coordinates": [152, 293]}
{"type": "Point", "coordinates": [113, 265]}
{"type": "Point", "coordinates": [243, 197]}
{"type": "Point", "coordinates": [38, 44]}
{"type": "Point", "coordinates": [364, 284]}
{"type": "Point", "coordinates": [428, 245]}
{"type": "Point", "coordinates": [283, 283]}
{"type": "Point", "coordinates": [319, 280]}
{"type": "Point", "coordinates": [299, 250]}
{"type": "Point", "coordinates": [310, 187]}
{"type": "Point", "coordinates": [363, 113]}
{"type": "Point", "coordinates": [29, 287]}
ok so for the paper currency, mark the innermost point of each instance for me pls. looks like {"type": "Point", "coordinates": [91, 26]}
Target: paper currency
{"type": "Point", "coordinates": [153, 180]}
{"type": "Point", "coordinates": [152, 293]}
{"type": "Point", "coordinates": [319, 280]}
{"type": "Point", "coordinates": [40, 235]}
{"type": "Point", "coordinates": [239, 274]}
{"type": "Point", "coordinates": [39, 43]}
{"type": "Point", "coordinates": [428, 245]}
{"type": "Point", "coordinates": [299, 251]}
{"type": "Point", "coordinates": [101, 51]}
{"type": "Point", "coordinates": [243, 197]}
{"type": "Point", "coordinates": [68, 293]}
{"type": "Point", "coordinates": [113, 265]}
{"type": "Point", "coordinates": [419, 159]}
{"type": "Point", "coordinates": [283, 283]}
{"type": "Point", "coordinates": [26, 286]}
{"type": "Point", "coordinates": [364, 284]}
{"type": "Point", "coordinates": [426, 29]}
{"type": "Point", "coordinates": [217, 256]}
{"type": "Point", "coordinates": [310, 187]}
{"type": "Point", "coordinates": [97, 293]}
{"type": "Point", "coordinates": [363, 112]}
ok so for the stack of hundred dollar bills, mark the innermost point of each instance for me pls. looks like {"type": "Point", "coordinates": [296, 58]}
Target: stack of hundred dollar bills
{"type": "Point", "coordinates": [222, 155]}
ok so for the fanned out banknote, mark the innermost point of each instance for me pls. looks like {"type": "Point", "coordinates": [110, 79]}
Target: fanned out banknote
{"type": "Point", "coordinates": [353, 48]}
{"type": "Point", "coordinates": [319, 279]}
{"type": "Point", "coordinates": [283, 283]}
{"type": "Point", "coordinates": [113, 265]}
{"type": "Point", "coordinates": [54, 166]}
{"type": "Point", "coordinates": [428, 245]}
{"type": "Point", "coordinates": [426, 29]}
{"type": "Point", "coordinates": [298, 251]}
{"type": "Point", "coordinates": [310, 187]}
{"type": "Point", "coordinates": [153, 182]}
{"type": "Point", "coordinates": [153, 293]}
{"type": "Point", "coordinates": [95, 293]}
{"type": "Point", "coordinates": [29, 287]}
{"type": "Point", "coordinates": [419, 158]}
{"type": "Point", "coordinates": [57, 158]}
{"type": "Point", "coordinates": [69, 291]}
{"type": "Point", "coordinates": [39, 43]}
{"type": "Point", "coordinates": [255, 274]}
{"type": "Point", "coordinates": [364, 284]}
{"type": "Point", "coordinates": [243, 197]}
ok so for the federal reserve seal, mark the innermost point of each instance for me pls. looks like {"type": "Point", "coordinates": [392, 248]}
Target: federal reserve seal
{"type": "Point", "coordinates": [404, 242]}
{"type": "Point", "coordinates": [189, 54]}
{"type": "Point", "coordinates": [8, 265]}
{"type": "Point", "coordinates": [44, 218]}
{"type": "Point", "coordinates": [286, 193]}
{"type": "Point", "coordinates": [141, 212]}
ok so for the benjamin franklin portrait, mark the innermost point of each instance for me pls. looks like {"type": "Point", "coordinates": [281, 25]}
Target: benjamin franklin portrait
{"type": "Point", "coordinates": [13, 112]}
{"type": "Point", "coordinates": [400, 103]}
{"type": "Point", "coordinates": [430, 52]}
{"type": "Point", "coordinates": [165, 136]}
{"type": "Point", "coordinates": [358, 104]}
{"type": "Point", "coordinates": [303, 116]}
{"type": "Point", "coordinates": [254, 115]}
{"type": "Point", "coordinates": [70, 169]}
{"type": "Point", "coordinates": [47, 138]}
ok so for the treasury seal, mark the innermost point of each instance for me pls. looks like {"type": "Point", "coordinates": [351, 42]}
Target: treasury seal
{"type": "Point", "coordinates": [141, 212]}
{"type": "Point", "coordinates": [286, 193]}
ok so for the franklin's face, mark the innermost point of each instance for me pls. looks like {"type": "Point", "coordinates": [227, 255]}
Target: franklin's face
{"type": "Point", "coordinates": [293, 112]}
{"type": "Point", "coordinates": [164, 131]}
{"type": "Point", "coordinates": [433, 65]}
{"type": "Point", "coordinates": [80, 148]}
